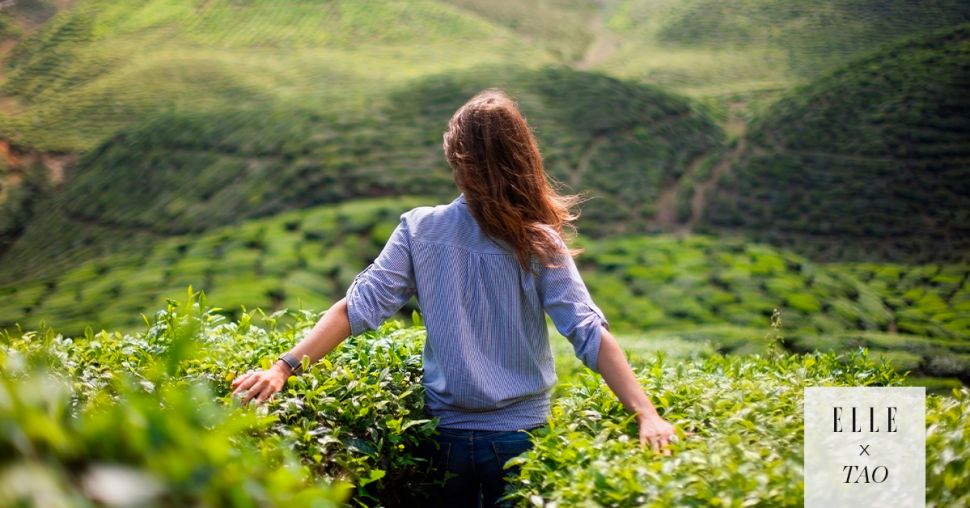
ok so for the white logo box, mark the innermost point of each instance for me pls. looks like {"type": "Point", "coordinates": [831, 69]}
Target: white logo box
{"type": "Point", "coordinates": [865, 447]}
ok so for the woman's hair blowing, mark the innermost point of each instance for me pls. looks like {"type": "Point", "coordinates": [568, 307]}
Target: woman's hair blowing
{"type": "Point", "coordinates": [498, 167]}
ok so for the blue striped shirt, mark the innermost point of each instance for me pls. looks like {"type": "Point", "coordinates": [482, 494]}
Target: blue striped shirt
{"type": "Point", "coordinates": [487, 360]}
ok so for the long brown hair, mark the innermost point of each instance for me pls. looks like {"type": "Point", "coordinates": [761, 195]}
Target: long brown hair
{"type": "Point", "coordinates": [498, 167]}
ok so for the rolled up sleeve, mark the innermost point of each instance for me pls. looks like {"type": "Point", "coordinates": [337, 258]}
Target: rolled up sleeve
{"type": "Point", "coordinates": [569, 304]}
{"type": "Point", "coordinates": [384, 286]}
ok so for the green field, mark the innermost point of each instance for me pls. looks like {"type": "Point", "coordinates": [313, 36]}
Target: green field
{"type": "Point", "coordinates": [182, 173]}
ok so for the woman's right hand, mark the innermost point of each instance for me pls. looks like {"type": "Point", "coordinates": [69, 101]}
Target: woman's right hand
{"type": "Point", "coordinates": [260, 385]}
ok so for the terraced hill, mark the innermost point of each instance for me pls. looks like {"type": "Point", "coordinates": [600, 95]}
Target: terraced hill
{"type": "Point", "coordinates": [329, 78]}
{"type": "Point", "coordinates": [102, 65]}
{"type": "Point", "coordinates": [661, 289]}
{"type": "Point", "coordinates": [148, 145]}
{"type": "Point", "coordinates": [748, 52]}
{"type": "Point", "coordinates": [870, 162]}
{"type": "Point", "coordinates": [179, 173]}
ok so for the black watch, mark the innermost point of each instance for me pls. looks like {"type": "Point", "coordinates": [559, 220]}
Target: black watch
{"type": "Point", "coordinates": [292, 362]}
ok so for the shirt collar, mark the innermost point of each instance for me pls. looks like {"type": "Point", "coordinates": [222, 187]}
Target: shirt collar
{"type": "Point", "coordinates": [461, 198]}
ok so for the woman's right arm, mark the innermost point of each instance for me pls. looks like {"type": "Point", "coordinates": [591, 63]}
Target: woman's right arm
{"type": "Point", "coordinates": [327, 334]}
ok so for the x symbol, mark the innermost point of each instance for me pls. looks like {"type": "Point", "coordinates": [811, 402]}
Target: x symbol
{"type": "Point", "coordinates": [865, 450]}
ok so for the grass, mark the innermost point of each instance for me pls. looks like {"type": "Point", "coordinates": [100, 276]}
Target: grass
{"type": "Point", "coordinates": [99, 66]}
{"type": "Point", "coordinates": [710, 48]}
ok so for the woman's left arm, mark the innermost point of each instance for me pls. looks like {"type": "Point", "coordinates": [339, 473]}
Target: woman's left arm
{"type": "Point", "coordinates": [616, 371]}
{"type": "Point", "coordinates": [332, 328]}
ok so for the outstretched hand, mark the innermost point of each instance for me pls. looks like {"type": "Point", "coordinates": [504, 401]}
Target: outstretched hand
{"type": "Point", "coordinates": [658, 433]}
{"type": "Point", "coordinates": [259, 385]}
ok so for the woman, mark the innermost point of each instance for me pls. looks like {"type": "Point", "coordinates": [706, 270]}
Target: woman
{"type": "Point", "coordinates": [485, 268]}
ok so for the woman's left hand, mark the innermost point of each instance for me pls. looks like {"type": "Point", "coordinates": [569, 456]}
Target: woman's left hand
{"type": "Point", "coordinates": [656, 432]}
{"type": "Point", "coordinates": [260, 385]}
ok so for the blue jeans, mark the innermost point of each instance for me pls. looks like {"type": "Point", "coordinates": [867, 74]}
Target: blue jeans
{"type": "Point", "coordinates": [470, 462]}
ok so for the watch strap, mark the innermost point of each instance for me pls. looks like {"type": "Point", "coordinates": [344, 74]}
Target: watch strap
{"type": "Point", "coordinates": [292, 362]}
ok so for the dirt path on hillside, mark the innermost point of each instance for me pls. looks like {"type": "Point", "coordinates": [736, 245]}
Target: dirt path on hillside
{"type": "Point", "coordinates": [699, 200]}
{"type": "Point", "coordinates": [665, 216]}
{"type": "Point", "coordinates": [576, 176]}
{"type": "Point", "coordinates": [604, 41]}
{"type": "Point", "coordinates": [666, 208]}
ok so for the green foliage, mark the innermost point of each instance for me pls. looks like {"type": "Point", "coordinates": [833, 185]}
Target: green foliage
{"type": "Point", "coordinates": [178, 173]}
{"type": "Point", "coordinates": [354, 418]}
{"type": "Point", "coordinates": [696, 289]}
{"type": "Point", "coordinates": [131, 408]}
{"type": "Point", "coordinates": [929, 299]}
{"type": "Point", "coordinates": [745, 413]}
{"type": "Point", "coordinates": [108, 419]}
{"type": "Point", "coordinates": [561, 26]}
{"type": "Point", "coordinates": [746, 53]}
{"type": "Point", "coordinates": [827, 34]}
{"type": "Point", "coordinates": [359, 415]}
{"type": "Point", "coordinates": [20, 191]}
{"type": "Point", "coordinates": [667, 282]}
{"type": "Point", "coordinates": [295, 259]}
{"type": "Point", "coordinates": [100, 65]}
{"type": "Point", "coordinates": [947, 449]}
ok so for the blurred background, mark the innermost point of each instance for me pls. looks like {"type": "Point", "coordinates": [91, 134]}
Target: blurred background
{"type": "Point", "coordinates": [739, 156]}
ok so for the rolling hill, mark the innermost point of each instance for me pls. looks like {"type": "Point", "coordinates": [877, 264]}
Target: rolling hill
{"type": "Point", "coordinates": [753, 50]}
{"type": "Point", "coordinates": [870, 162]}
{"type": "Point", "coordinates": [262, 151]}
{"type": "Point", "coordinates": [180, 173]}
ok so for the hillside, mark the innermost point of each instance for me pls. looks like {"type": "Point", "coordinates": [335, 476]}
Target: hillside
{"type": "Point", "coordinates": [618, 141]}
{"type": "Point", "coordinates": [157, 118]}
{"type": "Point", "coordinates": [262, 153]}
{"type": "Point", "coordinates": [870, 162]}
{"type": "Point", "coordinates": [100, 65]}
{"type": "Point", "coordinates": [752, 50]}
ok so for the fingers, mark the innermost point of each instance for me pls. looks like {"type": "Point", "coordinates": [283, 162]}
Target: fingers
{"type": "Point", "coordinates": [246, 383]}
{"type": "Point", "coordinates": [665, 446]}
{"type": "Point", "coordinates": [256, 389]}
{"type": "Point", "coordinates": [266, 393]}
{"type": "Point", "coordinates": [658, 443]}
{"type": "Point", "coordinates": [240, 379]}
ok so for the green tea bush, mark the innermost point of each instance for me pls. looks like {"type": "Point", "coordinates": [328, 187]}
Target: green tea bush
{"type": "Point", "coordinates": [863, 163]}
{"type": "Point", "coordinates": [100, 421]}
{"type": "Point", "coordinates": [745, 414]}
{"type": "Point", "coordinates": [355, 418]}
{"type": "Point", "coordinates": [151, 410]}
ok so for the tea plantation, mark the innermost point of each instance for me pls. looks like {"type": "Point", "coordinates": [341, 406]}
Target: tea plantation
{"type": "Point", "coordinates": [748, 162]}
{"type": "Point", "coordinates": [130, 409]}
{"type": "Point", "coordinates": [182, 173]}
{"type": "Point", "coordinates": [868, 162]}
{"type": "Point", "coordinates": [695, 289]}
